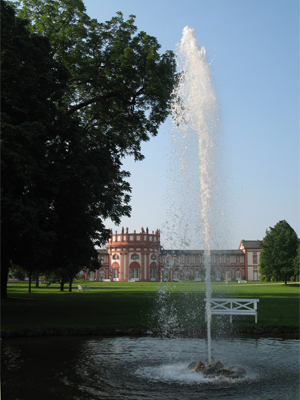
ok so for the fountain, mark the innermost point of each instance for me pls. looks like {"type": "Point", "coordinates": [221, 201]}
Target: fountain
{"type": "Point", "coordinates": [196, 129]}
{"type": "Point", "coordinates": [196, 114]}
{"type": "Point", "coordinates": [91, 367]}
{"type": "Point", "coordinates": [145, 368]}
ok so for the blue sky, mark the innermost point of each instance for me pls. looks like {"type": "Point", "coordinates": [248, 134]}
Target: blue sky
{"type": "Point", "coordinates": [253, 49]}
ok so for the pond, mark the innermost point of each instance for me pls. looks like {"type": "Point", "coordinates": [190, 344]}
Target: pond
{"type": "Point", "coordinates": [72, 368]}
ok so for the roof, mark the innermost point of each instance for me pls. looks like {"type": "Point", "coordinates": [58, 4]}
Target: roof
{"type": "Point", "coordinates": [201, 252]}
{"type": "Point", "coordinates": [102, 251]}
{"type": "Point", "coordinates": [250, 244]}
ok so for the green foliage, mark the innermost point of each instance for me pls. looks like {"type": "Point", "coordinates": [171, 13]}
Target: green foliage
{"type": "Point", "coordinates": [120, 84]}
{"type": "Point", "coordinates": [296, 263]}
{"type": "Point", "coordinates": [263, 278]}
{"type": "Point", "coordinates": [77, 97]}
{"type": "Point", "coordinates": [16, 272]}
{"type": "Point", "coordinates": [31, 82]}
{"type": "Point", "coordinates": [279, 248]}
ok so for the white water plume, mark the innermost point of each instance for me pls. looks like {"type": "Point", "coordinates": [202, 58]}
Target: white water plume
{"type": "Point", "coordinates": [196, 125]}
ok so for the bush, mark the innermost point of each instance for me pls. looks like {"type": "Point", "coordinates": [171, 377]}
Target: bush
{"type": "Point", "coordinates": [263, 278]}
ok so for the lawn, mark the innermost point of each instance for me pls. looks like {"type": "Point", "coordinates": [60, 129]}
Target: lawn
{"type": "Point", "coordinates": [148, 305]}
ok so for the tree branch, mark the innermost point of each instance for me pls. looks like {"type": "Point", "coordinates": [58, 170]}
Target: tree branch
{"type": "Point", "coordinates": [93, 100]}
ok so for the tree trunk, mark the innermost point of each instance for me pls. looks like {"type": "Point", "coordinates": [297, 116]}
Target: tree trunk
{"type": "Point", "coordinates": [37, 281]}
{"type": "Point", "coordinates": [29, 286]}
{"type": "Point", "coordinates": [70, 285]}
{"type": "Point", "coordinates": [4, 277]}
{"type": "Point", "coordinates": [285, 279]}
{"type": "Point", "coordinates": [62, 285]}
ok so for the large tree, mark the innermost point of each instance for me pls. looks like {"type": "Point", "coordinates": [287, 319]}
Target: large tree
{"type": "Point", "coordinates": [120, 85]}
{"type": "Point", "coordinates": [297, 263]}
{"type": "Point", "coordinates": [114, 91]}
{"type": "Point", "coordinates": [279, 249]}
{"type": "Point", "coordinates": [91, 187]}
{"type": "Point", "coordinates": [31, 84]}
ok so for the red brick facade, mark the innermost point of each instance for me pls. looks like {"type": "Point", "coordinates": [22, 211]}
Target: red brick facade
{"type": "Point", "coordinates": [131, 257]}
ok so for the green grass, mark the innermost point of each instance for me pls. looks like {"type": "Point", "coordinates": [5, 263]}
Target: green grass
{"type": "Point", "coordinates": [111, 306]}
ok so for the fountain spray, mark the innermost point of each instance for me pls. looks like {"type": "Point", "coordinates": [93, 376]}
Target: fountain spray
{"type": "Point", "coordinates": [195, 112]}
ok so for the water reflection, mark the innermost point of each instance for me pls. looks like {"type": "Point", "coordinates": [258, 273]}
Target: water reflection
{"type": "Point", "coordinates": [145, 368]}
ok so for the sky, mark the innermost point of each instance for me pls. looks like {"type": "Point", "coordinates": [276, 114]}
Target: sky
{"type": "Point", "coordinates": [253, 50]}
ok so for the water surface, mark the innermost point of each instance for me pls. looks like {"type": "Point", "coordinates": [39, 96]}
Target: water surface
{"type": "Point", "coordinates": [145, 368]}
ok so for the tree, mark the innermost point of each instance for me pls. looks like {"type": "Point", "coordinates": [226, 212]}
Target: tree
{"type": "Point", "coordinates": [111, 91]}
{"type": "Point", "coordinates": [32, 82]}
{"type": "Point", "coordinates": [296, 263]}
{"type": "Point", "coordinates": [279, 249]}
{"type": "Point", "coordinates": [17, 273]}
{"type": "Point", "coordinates": [120, 86]}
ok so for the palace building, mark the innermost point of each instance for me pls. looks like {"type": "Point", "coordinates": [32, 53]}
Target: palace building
{"type": "Point", "coordinates": [132, 257]}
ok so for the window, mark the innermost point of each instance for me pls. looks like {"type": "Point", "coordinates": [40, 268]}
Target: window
{"type": "Point", "coordinates": [115, 257]}
{"type": "Point", "coordinates": [186, 259]}
{"type": "Point", "coordinates": [176, 275]}
{"type": "Point", "coordinates": [134, 257]}
{"type": "Point", "coordinates": [237, 259]}
{"type": "Point", "coordinates": [218, 275]}
{"type": "Point", "coordinates": [153, 257]}
{"type": "Point", "coordinates": [197, 274]}
{"type": "Point", "coordinates": [238, 274]}
{"type": "Point", "coordinates": [152, 273]}
{"type": "Point", "coordinates": [228, 275]}
{"type": "Point", "coordinates": [218, 259]}
{"type": "Point", "coordinates": [197, 259]}
{"type": "Point", "coordinates": [254, 259]}
{"type": "Point", "coordinates": [227, 260]}
{"type": "Point", "coordinates": [115, 273]}
{"type": "Point", "coordinates": [134, 273]}
{"type": "Point", "coordinates": [101, 275]}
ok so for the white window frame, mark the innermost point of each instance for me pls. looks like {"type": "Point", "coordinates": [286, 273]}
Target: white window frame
{"type": "Point", "coordinates": [228, 275]}
{"type": "Point", "coordinates": [115, 273]}
{"type": "Point", "coordinates": [134, 273]}
{"type": "Point", "coordinates": [176, 276]}
{"type": "Point", "coordinates": [152, 273]}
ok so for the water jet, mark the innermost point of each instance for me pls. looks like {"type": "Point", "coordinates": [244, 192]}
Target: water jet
{"type": "Point", "coordinates": [196, 114]}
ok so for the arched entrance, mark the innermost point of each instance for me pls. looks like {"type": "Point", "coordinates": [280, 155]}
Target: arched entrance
{"type": "Point", "coordinates": [153, 272]}
{"type": "Point", "coordinates": [115, 271]}
{"type": "Point", "coordinates": [134, 272]}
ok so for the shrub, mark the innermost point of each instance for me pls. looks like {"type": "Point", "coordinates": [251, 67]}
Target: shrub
{"type": "Point", "coordinates": [263, 278]}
